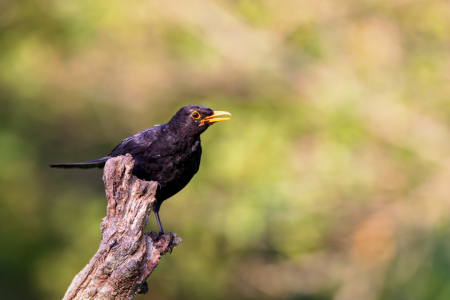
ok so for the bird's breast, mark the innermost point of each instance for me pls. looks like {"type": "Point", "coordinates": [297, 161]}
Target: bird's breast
{"type": "Point", "coordinates": [172, 171]}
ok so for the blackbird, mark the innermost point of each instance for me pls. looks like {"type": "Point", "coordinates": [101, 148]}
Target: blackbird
{"type": "Point", "coordinates": [169, 154]}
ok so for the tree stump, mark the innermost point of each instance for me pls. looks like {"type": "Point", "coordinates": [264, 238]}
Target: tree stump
{"type": "Point", "coordinates": [126, 255]}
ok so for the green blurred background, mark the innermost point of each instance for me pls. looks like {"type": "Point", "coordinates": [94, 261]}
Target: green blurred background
{"type": "Point", "coordinates": [331, 181]}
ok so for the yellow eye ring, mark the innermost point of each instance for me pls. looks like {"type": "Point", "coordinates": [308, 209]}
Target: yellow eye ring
{"type": "Point", "coordinates": [195, 115]}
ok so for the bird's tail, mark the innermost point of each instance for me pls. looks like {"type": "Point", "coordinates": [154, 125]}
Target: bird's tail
{"type": "Point", "coordinates": [96, 163]}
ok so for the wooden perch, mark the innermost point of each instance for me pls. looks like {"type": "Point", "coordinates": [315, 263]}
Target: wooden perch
{"type": "Point", "coordinates": [126, 255]}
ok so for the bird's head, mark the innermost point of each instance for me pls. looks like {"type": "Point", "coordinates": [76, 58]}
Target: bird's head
{"type": "Point", "coordinates": [195, 119]}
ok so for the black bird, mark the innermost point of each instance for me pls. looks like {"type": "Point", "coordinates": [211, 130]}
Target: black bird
{"type": "Point", "coordinates": [169, 154]}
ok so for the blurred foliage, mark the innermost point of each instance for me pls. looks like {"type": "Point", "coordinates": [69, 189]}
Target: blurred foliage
{"type": "Point", "coordinates": [330, 182]}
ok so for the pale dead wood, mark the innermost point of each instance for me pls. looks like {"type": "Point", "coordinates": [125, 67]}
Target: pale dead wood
{"type": "Point", "coordinates": [126, 255]}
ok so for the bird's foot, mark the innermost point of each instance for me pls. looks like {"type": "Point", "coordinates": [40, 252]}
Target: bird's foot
{"type": "Point", "coordinates": [167, 237]}
{"type": "Point", "coordinates": [170, 240]}
{"type": "Point", "coordinates": [161, 233]}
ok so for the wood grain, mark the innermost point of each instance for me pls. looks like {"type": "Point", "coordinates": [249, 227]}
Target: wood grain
{"type": "Point", "coordinates": [126, 255]}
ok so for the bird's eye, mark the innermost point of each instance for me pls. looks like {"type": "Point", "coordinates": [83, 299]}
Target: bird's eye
{"type": "Point", "coordinates": [195, 115]}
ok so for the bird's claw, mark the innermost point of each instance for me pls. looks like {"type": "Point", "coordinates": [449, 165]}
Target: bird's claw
{"type": "Point", "coordinates": [170, 240]}
{"type": "Point", "coordinates": [170, 234]}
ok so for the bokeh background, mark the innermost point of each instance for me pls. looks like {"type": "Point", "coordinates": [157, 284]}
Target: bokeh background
{"type": "Point", "coordinates": [331, 181]}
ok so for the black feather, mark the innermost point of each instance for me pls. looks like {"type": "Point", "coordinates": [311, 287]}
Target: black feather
{"type": "Point", "coordinates": [169, 154]}
{"type": "Point", "coordinates": [96, 163]}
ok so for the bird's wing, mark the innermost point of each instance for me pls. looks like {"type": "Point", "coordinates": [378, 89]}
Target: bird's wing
{"type": "Point", "coordinates": [136, 144]}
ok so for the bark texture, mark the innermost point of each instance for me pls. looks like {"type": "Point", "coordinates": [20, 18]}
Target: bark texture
{"type": "Point", "coordinates": [126, 255]}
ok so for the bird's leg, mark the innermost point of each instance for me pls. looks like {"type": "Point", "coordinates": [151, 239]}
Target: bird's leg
{"type": "Point", "coordinates": [161, 231]}
{"type": "Point", "coordinates": [156, 207]}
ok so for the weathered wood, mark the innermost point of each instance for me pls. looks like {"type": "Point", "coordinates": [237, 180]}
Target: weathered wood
{"type": "Point", "coordinates": [126, 255]}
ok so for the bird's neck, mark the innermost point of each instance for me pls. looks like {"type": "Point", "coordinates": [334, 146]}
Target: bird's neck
{"type": "Point", "coordinates": [176, 131]}
{"type": "Point", "coordinates": [173, 126]}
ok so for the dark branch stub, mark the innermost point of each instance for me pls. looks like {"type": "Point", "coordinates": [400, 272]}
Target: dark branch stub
{"type": "Point", "coordinates": [126, 255]}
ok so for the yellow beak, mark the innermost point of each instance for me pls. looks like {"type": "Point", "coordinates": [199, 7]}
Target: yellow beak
{"type": "Point", "coordinates": [217, 113]}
